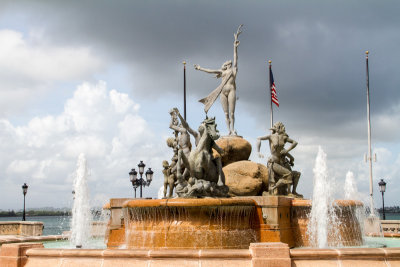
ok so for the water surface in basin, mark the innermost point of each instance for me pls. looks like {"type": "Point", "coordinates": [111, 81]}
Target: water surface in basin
{"type": "Point", "coordinates": [93, 243]}
{"type": "Point", "coordinates": [378, 242]}
{"type": "Point", "coordinates": [98, 243]}
{"type": "Point", "coordinates": [372, 242]}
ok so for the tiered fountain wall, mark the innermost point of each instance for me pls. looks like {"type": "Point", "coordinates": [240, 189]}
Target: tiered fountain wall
{"type": "Point", "coordinates": [223, 223]}
{"type": "Point", "coordinates": [190, 223]}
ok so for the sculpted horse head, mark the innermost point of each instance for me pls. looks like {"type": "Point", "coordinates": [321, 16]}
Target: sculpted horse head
{"type": "Point", "coordinates": [209, 127]}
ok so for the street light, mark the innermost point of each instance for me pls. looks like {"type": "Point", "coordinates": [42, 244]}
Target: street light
{"type": "Point", "coordinates": [140, 182]}
{"type": "Point", "coordinates": [24, 191]}
{"type": "Point", "coordinates": [133, 178]}
{"type": "Point", "coordinates": [149, 175]}
{"type": "Point", "coordinates": [382, 188]}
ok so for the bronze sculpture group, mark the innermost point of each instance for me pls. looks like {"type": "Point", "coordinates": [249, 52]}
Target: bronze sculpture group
{"type": "Point", "coordinates": [195, 172]}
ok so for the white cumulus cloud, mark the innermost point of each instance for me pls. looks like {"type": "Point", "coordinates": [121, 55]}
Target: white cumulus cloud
{"type": "Point", "coordinates": [29, 66]}
{"type": "Point", "coordinates": [104, 124]}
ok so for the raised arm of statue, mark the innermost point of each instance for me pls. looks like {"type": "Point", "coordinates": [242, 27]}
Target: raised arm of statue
{"type": "Point", "coordinates": [293, 145]}
{"type": "Point", "coordinates": [174, 122]}
{"type": "Point", "coordinates": [258, 145]}
{"type": "Point", "coordinates": [186, 125]}
{"type": "Point", "coordinates": [197, 67]}
{"type": "Point", "coordinates": [235, 46]}
{"type": "Point", "coordinates": [177, 128]}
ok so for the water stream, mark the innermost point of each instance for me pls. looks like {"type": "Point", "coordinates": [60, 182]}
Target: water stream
{"type": "Point", "coordinates": [323, 219]}
{"type": "Point", "coordinates": [81, 215]}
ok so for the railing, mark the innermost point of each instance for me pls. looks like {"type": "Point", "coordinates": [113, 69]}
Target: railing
{"type": "Point", "coordinates": [391, 226]}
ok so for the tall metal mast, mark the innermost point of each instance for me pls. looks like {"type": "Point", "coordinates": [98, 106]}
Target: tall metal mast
{"type": "Point", "coordinates": [369, 140]}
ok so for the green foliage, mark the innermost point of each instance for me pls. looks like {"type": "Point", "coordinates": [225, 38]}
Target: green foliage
{"type": "Point", "coordinates": [12, 213]}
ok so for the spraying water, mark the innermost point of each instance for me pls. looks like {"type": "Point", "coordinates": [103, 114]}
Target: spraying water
{"type": "Point", "coordinates": [351, 193]}
{"type": "Point", "coordinates": [350, 187]}
{"type": "Point", "coordinates": [160, 193]}
{"type": "Point", "coordinates": [81, 216]}
{"type": "Point", "coordinates": [323, 219]}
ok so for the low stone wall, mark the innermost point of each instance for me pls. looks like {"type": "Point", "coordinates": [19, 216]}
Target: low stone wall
{"type": "Point", "coordinates": [25, 228]}
{"type": "Point", "coordinates": [258, 255]}
{"type": "Point", "coordinates": [353, 257]}
{"type": "Point", "coordinates": [18, 255]}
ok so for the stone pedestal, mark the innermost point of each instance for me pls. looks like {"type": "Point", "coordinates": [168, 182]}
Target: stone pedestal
{"type": "Point", "coordinates": [270, 254]}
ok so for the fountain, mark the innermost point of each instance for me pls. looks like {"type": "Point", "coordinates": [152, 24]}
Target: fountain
{"type": "Point", "coordinates": [332, 223]}
{"type": "Point", "coordinates": [323, 217]}
{"type": "Point", "coordinates": [350, 187]}
{"type": "Point", "coordinates": [81, 215]}
{"type": "Point", "coordinates": [229, 211]}
{"type": "Point", "coordinates": [238, 221]}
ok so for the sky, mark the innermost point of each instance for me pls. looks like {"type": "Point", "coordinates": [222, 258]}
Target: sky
{"type": "Point", "coordinates": [99, 78]}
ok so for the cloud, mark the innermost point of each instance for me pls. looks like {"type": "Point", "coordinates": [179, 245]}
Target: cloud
{"type": "Point", "coordinates": [29, 65]}
{"type": "Point", "coordinates": [104, 124]}
{"type": "Point", "coordinates": [318, 63]}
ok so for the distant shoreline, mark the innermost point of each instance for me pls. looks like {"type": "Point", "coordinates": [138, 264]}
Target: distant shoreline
{"type": "Point", "coordinates": [34, 213]}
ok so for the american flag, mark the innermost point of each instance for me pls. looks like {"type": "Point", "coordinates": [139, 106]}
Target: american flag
{"type": "Point", "coordinates": [274, 97]}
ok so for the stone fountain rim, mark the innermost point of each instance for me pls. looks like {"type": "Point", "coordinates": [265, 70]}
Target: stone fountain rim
{"type": "Point", "coordinates": [188, 202]}
{"type": "Point", "coordinates": [338, 202]}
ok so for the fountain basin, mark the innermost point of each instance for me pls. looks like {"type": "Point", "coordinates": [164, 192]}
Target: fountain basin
{"type": "Point", "coordinates": [347, 232]}
{"type": "Point", "coordinates": [223, 223]}
{"type": "Point", "coordinates": [190, 223]}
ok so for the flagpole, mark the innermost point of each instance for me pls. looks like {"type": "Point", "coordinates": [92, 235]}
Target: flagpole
{"type": "Point", "coordinates": [184, 90]}
{"type": "Point", "coordinates": [369, 140]}
{"type": "Point", "coordinates": [270, 91]}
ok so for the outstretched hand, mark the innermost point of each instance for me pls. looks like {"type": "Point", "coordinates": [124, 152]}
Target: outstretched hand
{"type": "Point", "coordinates": [196, 67]}
{"type": "Point", "coordinates": [238, 32]}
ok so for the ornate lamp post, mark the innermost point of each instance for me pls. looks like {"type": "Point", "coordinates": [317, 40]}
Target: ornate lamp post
{"type": "Point", "coordinates": [141, 182]}
{"type": "Point", "coordinates": [382, 188]}
{"type": "Point", "coordinates": [24, 191]}
{"type": "Point", "coordinates": [133, 178]}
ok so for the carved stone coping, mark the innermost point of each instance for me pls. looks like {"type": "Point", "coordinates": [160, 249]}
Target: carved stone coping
{"type": "Point", "coordinates": [344, 253]}
{"type": "Point", "coordinates": [189, 202]}
{"type": "Point", "coordinates": [141, 253]}
{"type": "Point", "coordinates": [338, 202]}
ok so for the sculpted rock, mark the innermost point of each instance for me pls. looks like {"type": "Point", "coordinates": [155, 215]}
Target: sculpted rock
{"type": "Point", "coordinates": [235, 149]}
{"type": "Point", "coordinates": [246, 178]}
